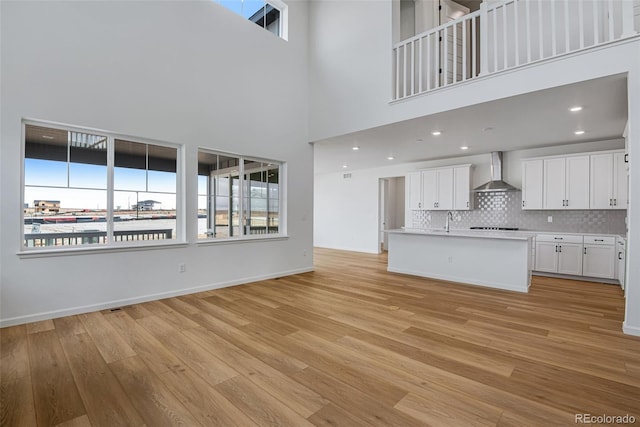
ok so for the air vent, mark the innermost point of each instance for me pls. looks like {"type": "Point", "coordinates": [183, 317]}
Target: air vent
{"type": "Point", "coordinates": [346, 175]}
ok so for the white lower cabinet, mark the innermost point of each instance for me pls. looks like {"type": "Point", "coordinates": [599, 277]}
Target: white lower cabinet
{"type": "Point", "coordinates": [559, 253]}
{"type": "Point", "coordinates": [576, 255]}
{"type": "Point", "coordinates": [599, 255]}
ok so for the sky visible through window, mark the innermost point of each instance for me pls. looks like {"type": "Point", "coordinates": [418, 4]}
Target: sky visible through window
{"type": "Point", "coordinates": [244, 8]}
{"type": "Point", "coordinates": [89, 184]}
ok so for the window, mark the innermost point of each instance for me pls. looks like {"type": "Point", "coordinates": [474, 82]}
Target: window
{"type": "Point", "coordinates": [237, 196]}
{"type": "Point", "coordinates": [86, 188]}
{"type": "Point", "coordinates": [270, 15]}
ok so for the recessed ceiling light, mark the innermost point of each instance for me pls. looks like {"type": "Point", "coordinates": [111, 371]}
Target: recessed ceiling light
{"type": "Point", "coordinates": [390, 158]}
{"type": "Point", "coordinates": [464, 147]}
{"type": "Point", "coordinates": [47, 137]}
{"type": "Point", "coordinates": [345, 166]}
{"type": "Point", "coordinates": [579, 132]}
{"type": "Point", "coordinates": [575, 109]}
{"type": "Point", "coordinates": [487, 129]}
{"type": "Point", "coordinates": [355, 148]}
{"type": "Point", "coordinates": [419, 140]}
{"type": "Point", "coordinates": [436, 133]}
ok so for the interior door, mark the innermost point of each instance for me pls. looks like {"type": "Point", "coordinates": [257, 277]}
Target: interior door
{"type": "Point", "coordinates": [384, 213]}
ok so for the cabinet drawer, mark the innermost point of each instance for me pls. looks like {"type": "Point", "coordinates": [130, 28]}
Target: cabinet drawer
{"type": "Point", "coordinates": [599, 240]}
{"type": "Point", "coordinates": [559, 238]}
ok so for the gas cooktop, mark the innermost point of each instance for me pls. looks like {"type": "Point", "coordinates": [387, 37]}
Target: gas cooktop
{"type": "Point", "coordinates": [495, 228]}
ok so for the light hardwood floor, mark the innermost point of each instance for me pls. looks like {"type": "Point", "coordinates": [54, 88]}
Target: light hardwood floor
{"type": "Point", "coordinates": [348, 345]}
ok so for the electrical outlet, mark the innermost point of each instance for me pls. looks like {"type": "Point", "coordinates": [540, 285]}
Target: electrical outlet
{"type": "Point", "coordinates": [549, 218]}
{"type": "Point", "coordinates": [182, 267]}
{"type": "Point", "coordinates": [450, 260]}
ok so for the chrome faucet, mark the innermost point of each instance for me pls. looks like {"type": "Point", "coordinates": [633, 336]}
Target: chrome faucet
{"type": "Point", "coordinates": [449, 218]}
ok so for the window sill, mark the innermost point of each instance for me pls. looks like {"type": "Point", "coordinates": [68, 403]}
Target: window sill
{"type": "Point", "coordinates": [270, 238]}
{"type": "Point", "coordinates": [38, 253]}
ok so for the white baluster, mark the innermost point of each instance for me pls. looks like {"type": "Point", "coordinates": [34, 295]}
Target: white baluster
{"type": "Point", "coordinates": [474, 47]}
{"type": "Point", "coordinates": [554, 49]}
{"type": "Point", "coordinates": [484, 39]}
{"type": "Point", "coordinates": [413, 67]}
{"type": "Point", "coordinates": [397, 52]}
{"type": "Point", "coordinates": [516, 31]}
{"type": "Point", "coordinates": [445, 56]}
{"type": "Point", "coordinates": [540, 33]}
{"type": "Point", "coordinates": [528, 23]}
{"type": "Point", "coordinates": [455, 53]}
{"type": "Point", "coordinates": [596, 26]}
{"type": "Point", "coordinates": [610, 20]}
{"type": "Point", "coordinates": [581, 22]}
{"type": "Point", "coordinates": [420, 65]}
{"type": "Point", "coordinates": [404, 71]}
{"type": "Point", "coordinates": [465, 49]}
{"type": "Point", "coordinates": [429, 41]}
{"type": "Point", "coordinates": [504, 36]}
{"type": "Point", "coordinates": [436, 60]}
{"type": "Point", "coordinates": [567, 23]}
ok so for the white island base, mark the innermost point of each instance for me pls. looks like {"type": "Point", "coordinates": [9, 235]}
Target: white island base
{"type": "Point", "coordinates": [493, 259]}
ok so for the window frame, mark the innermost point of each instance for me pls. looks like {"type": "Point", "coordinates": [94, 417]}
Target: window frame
{"type": "Point", "coordinates": [283, 25]}
{"type": "Point", "coordinates": [110, 243]}
{"type": "Point", "coordinates": [282, 200]}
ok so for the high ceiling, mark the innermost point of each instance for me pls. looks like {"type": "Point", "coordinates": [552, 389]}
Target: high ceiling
{"type": "Point", "coordinates": [532, 120]}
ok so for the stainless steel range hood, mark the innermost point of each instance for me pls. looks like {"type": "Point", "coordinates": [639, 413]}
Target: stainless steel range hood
{"type": "Point", "coordinates": [496, 184]}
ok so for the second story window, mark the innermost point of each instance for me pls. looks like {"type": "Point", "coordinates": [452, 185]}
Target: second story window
{"type": "Point", "coordinates": [270, 15]}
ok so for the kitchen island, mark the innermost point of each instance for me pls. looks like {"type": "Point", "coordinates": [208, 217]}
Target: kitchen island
{"type": "Point", "coordinates": [496, 259]}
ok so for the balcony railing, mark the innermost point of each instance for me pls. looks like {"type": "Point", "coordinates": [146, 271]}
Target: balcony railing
{"type": "Point", "coordinates": [505, 35]}
{"type": "Point", "coordinates": [93, 237]}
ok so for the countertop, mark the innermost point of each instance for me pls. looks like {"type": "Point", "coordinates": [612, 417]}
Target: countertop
{"type": "Point", "coordinates": [481, 234]}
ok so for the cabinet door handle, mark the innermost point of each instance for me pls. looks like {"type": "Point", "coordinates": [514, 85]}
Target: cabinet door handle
{"type": "Point", "coordinates": [610, 202]}
{"type": "Point", "coordinates": [599, 240]}
{"type": "Point", "coordinates": [620, 255]}
{"type": "Point", "coordinates": [467, 203]}
{"type": "Point", "coordinates": [560, 248]}
{"type": "Point", "coordinates": [523, 203]}
{"type": "Point", "coordinates": [585, 251]}
{"type": "Point", "coordinates": [556, 248]}
{"type": "Point", "coordinates": [615, 202]}
{"type": "Point", "coordinates": [558, 238]}
{"type": "Point", "coordinates": [626, 158]}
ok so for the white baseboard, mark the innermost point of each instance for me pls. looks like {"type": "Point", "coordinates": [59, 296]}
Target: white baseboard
{"type": "Point", "coordinates": [12, 321]}
{"type": "Point", "coordinates": [630, 330]}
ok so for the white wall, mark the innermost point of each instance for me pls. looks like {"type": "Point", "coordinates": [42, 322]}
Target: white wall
{"type": "Point", "coordinates": [345, 210]}
{"type": "Point", "coordinates": [184, 72]}
{"type": "Point", "coordinates": [351, 71]}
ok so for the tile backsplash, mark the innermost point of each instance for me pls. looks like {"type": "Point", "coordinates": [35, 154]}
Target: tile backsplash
{"type": "Point", "coordinates": [503, 209]}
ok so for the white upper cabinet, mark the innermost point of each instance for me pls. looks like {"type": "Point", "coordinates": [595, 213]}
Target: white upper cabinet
{"type": "Point", "coordinates": [577, 182]}
{"type": "Point", "coordinates": [584, 181]}
{"type": "Point", "coordinates": [554, 183]}
{"type": "Point", "coordinates": [620, 181]}
{"type": "Point", "coordinates": [430, 189]}
{"type": "Point", "coordinates": [437, 189]}
{"type": "Point", "coordinates": [608, 181]}
{"type": "Point", "coordinates": [462, 196]}
{"type": "Point", "coordinates": [413, 182]}
{"type": "Point", "coordinates": [601, 181]}
{"type": "Point", "coordinates": [446, 188]}
{"type": "Point", "coordinates": [532, 184]}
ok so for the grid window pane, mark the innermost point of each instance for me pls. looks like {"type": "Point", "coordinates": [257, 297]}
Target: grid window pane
{"type": "Point", "coordinates": [66, 189]}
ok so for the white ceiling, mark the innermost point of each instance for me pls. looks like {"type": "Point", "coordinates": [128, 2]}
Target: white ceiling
{"type": "Point", "coordinates": [532, 120]}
